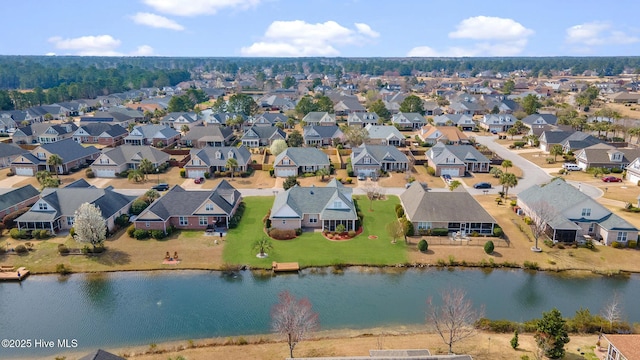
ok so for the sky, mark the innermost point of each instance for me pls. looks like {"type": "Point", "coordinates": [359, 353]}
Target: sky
{"type": "Point", "coordinates": [331, 28]}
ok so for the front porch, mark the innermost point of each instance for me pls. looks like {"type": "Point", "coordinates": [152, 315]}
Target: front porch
{"type": "Point", "coordinates": [330, 225]}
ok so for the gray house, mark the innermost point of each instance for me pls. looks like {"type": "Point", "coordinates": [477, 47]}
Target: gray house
{"type": "Point", "coordinates": [369, 160]}
{"type": "Point", "coordinates": [456, 160]}
{"type": "Point", "coordinates": [201, 136]}
{"type": "Point", "coordinates": [319, 118]}
{"type": "Point", "coordinates": [384, 135]}
{"type": "Point", "coordinates": [296, 161]}
{"type": "Point", "coordinates": [212, 159]}
{"type": "Point", "coordinates": [8, 152]}
{"type": "Point", "coordinates": [257, 136]}
{"type": "Point", "coordinates": [363, 119]}
{"type": "Point", "coordinates": [321, 135]}
{"type": "Point", "coordinates": [113, 161]}
{"type": "Point", "coordinates": [408, 121]}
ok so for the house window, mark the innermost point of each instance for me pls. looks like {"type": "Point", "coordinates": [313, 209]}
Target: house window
{"type": "Point", "coordinates": [43, 206]}
{"type": "Point", "coordinates": [337, 204]}
{"type": "Point", "coordinates": [104, 161]}
{"type": "Point", "coordinates": [313, 219]}
{"type": "Point", "coordinates": [586, 212]}
{"type": "Point", "coordinates": [70, 220]}
{"type": "Point", "coordinates": [284, 222]}
{"type": "Point", "coordinates": [286, 162]}
{"type": "Point", "coordinates": [183, 221]}
{"type": "Point", "coordinates": [366, 160]}
{"type": "Point", "coordinates": [202, 220]}
{"type": "Point", "coordinates": [208, 207]}
{"type": "Point", "coordinates": [591, 228]}
{"type": "Point", "coordinates": [196, 162]}
{"type": "Point", "coordinates": [622, 236]}
{"type": "Point", "coordinates": [147, 224]}
{"type": "Point", "coordinates": [41, 155]}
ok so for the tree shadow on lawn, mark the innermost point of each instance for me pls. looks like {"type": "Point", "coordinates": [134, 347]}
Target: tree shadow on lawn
{"type": "Point", "coordinates": [496, 254]}
{"type": "Point", "coordinates": [113, 257]}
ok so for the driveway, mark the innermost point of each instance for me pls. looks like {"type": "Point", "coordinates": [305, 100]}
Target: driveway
{"type": "Point", "coordinates": [10, 181]}
{"type": "Point", "coordinates": [532, 174]}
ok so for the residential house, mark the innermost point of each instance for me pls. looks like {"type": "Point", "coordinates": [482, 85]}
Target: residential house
{"type": "Point", "coordinates": [570, 214]}
{"type": "Point", "coordinates": [408, 121]}
{"type": "Point", "coordinates": [257, 136]}
{"type": "Point", "coordinates": [296, 161]}
{"type": "Point", "coordinates": [113, 161]}
{"type": "Point", "coordinates": [625, 98]}
{"type": "Point", "coordinates": [540, 119]}
{"type": "Point", "coordinates": [570, 140]}
{"type": "Point", "coordinates": [276, 103]}
{"type": "Point", "coordinates": [211, 118]}
{"type": "Point", "coordinates": [496, 123]}
{"type": "Point", "coordinates": [43, 133]}
{"type": "Point", "coordinates": [384, 135]}
{"type": "Point", "coordinates": [431, 108]}
{"type": "Point", "coordinates": [191, 209]}
{"type": "Point", "coordinates": [552, 137]}
{"type": "Point", "coordinates": [177, 120]}
{"type": "Point", "coordinates": [450, 135]}
{"type": "Point", "coordinates": [8, 152]}
{"type": "Point", "coordinates": [321, 135]}
{"type": "Point", "coordinates": [320, 118]}
{"type": "Point", "coordinates": [19, 117]}
{"type": "Point", "coordinates": [73, 156]}
{"type": "Point", "coordinates": [348, 106]}
{"type": "Point", "coordinates": [456, 160]}
{"type": "Point", "coordinates": [212, 159]}
{"type": "Point", "coordinates": [442, 210]}
{"type": "Point", "coordinates": [467, 107]}
{"type": "Point", "coordinates": [7, 124]}
{"type": "Point", "coordinates": [14, 199]}
{"type": "Point", "coordinates": [633, 171]}
{"type": "Point", "coordinates": [154, 135]}
{"type": "Point", "coordinates": [370, 160]}
{"type": "Point", "coordinates": [622, 346]}
{"type": "Point", "coordinates": [201, 136]}
{"type": "Point", "coordinates": [605, 156]}
{"type": "Point", "coordinates": [100, 133]}
{"type": "Point", "coordinates": [270, 119]}
{"type": "Point", "coordinates": [315, 208]}
{"type": "Point", "coordinates": [363, 119]}
{"type": "Point", "coordinates": [465, 122]}
{"type": "Point", "coordinates": [56, 207]}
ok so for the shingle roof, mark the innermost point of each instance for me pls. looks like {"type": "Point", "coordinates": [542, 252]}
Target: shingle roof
{"type": "Point", "coordinates": [304, 156]}
{"type": "Point", "coordinates": [316, 200]}
{"type": "Point", "coordinates": [216, 133]}
{"type": "Point", "coordinates": [322, 132]}
{"type": "Point", "coordinates": [457, 206]}
{"type": "Point", "coordinates": [549, 119]}
{"type": "Point", "coordinates": [97, 129]}
{"type": "Point", "coordinates": [263, 132]}
{"type": "Point", "coordinates": [68, 150]}
{"type": "Point", "coordinates": [383, 132]}
{"type": "Point", "coordinates": [7, 150]}
{"type": "Point", "coordinates": [459, 154]}
{"type": "Point", "coordinates": [13, 196]}
{"type": "Point", "coordinates": [599, 154]}
{"type": "Point", "coordinates": [128, 153]}
{"type": "Point", "coordinates": [380, 153]}
{"type": "Point", "coordinates": [209, 157]}
{"type": "Point", "coordinates": [627, 345]}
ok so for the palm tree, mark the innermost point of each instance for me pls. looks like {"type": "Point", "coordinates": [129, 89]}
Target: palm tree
{"type": "Point", "coordinates": [262, 245]}
{"type": "Point", "coordinates": [506, 164]}
{"type": "Point", "coordinates": [454, 185]}
{"type": "Point", "coordinates": [495, 171]}
{"type": "Point", "coordinates": [136, 176]}
{"type": "Point", "coordinates": [322, 172]}
{"type": "Point", "coordinates": [151, 195]}
{"type": "Point", "coordinates": [232, 163]}
{"type": "Point", "coordinates": [54, 161]}
{"type": "Point", "coordinates": [508, 180]}
{"type": "Point", "coordinates": [184, 129]}
{"type": "Point", "coordinates": [145, 167]}
{"type": "Point", "coordinates": [41, 176]}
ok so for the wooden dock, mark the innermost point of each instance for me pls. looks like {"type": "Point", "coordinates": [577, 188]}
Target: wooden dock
{"type": "Point", "coordinates": [284, 267]}
{"type": "Point", "coordinates": [10, 275]}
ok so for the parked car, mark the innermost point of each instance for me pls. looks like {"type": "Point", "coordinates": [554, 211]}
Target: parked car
{"type": "Point", "coordinates": [571, 167]}
{"type": "Point", "coordinates": [361, 177]}
{"type": "Point", "coordinates": [482, 185]}
{"type": "Point", "coordinates": [611, 179]}
{"type": "Point", "coordinates": [446, 177]}
{"type": "Point", "coordinates": [161, 187]}
{"type": "Point", "coordinates": [199, 180]}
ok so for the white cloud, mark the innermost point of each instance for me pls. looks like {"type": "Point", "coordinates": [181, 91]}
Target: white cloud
{"type": "Point", "coordinates": [156, 21]}
{"type": "Point", "coordinates": [598, 33]}
{"type": "Point", "coordinates": [299, 38]}
{"type": "Point", "coordinates": [50, 54]}
{"type": "Point", "coordinates": [499, 37]}
{"type": "Point", "coordinates": [490, 28]}
{"type": "Point", "coordinates": [198, 7]}
{"type": "Point", "coordinates": [100, 45]}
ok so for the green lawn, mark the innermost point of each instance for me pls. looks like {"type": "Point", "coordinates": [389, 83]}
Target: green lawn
{"type": "Point", "coordinates": [312, 249]}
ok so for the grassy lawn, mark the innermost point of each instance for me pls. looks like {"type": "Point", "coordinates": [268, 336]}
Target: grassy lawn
{"type": "Point", "coordinates": [312, 249]}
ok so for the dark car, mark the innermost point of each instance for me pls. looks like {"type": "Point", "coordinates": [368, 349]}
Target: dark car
{"type": "Point", "coordinates": [611, 179]}
{"type": "Point", "coordinates": [199, 180]}
{"type": "Point", "coordinates": [446, 177]}
{"type": "Point", "coordinates": [482, 185]}
{"type": "Point", "coordinates": [161, 187]}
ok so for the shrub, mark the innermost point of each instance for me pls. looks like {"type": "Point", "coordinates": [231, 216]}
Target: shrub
{"type": "Point", "coordinates": [551, 161]}
{"type": "Point", "coordinates": [183, 173]}
{"type": "Point", "coordinates": [423, 245]}
{"type": "Point", "coordinates": [10, 173]}
{"type": "Point", "coordinates": [130, 230]}
{"type": "Point", "coordinates": [616, 245]}
{"type": "Point", "coordinates": [282, 234]}
{"type": "Point", "coordinates": [62, 249]}
{"type": "Point", "coordinates": [497, 231]}
{"type": "Point", "coordinates": [351, 234]}
{"type": "Point", "coordinates": [520, 143]}
{"type": "Point", "coordinates": [616, 171]}
{"type": "Point", "coordinates": [158, 234]}
{"type": "Point", "coordinates": [298, 231]}
{"type": "Point", "coordinates": [18, 234]}
{"type": "Point", "coordinates": [439, 232]}
{"type": "Point", "coordinates": [527, 220]}
{"type": "Point", "coordinates": [409, 230]}
{"type": "Point", "coordinates": [340, 228]}
{"type": "Point", "coordinates": [207, 175]}
{"type": "Point", "coordinates": [122, 220]}
{"type": "Point", "coordinates": [72, 232]}
{"type": "Point", "coordinates": [349, 180]}
{"type": "Point", "coordinates": [62, 269]}
{"type": "Point", "coordinates": [124, 174]}
{"type": "Point", "coordinates": [140, 234]}
{"type": "Point", "coordinates": [138, 206]}
{"type": "Point", "coordinates": [89, 173]}
{"type": "Point", "coordinates": [513, 203]}
{"type": "Point", "coordinates": [532, 265]}
{"type": "Point", "coordinates": [399, 211]}
{"type": "Point", "coordinates": [514, 340]}
{"type": "Point", "coordinates": [497, 326]}
{"type": "Point", "coordinates": [431, 171]}
{"type": "Point", "coordinates": [560, 246]}
{"type": "Point", "coordinates": [21, 249]}
{"type": "Point", "coordinates": [488, 247]}
{"type": "Point", "coordinates": [271, 172]}
{"type": "Point", "coordinates": [8, 220]}
{"type": "Point", "coordinates": [632, 244]}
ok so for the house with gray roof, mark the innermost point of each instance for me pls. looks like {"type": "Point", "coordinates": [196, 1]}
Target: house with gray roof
{"type": "Point", "coordinates": [276, 102]}
{"type": "Point", "coordinates": [295, 161]}
{"type": "Point", "coordinates": [384, 135]}
{"type": "Point", "coordinates": [321, 135]}
{"type": "Point", "coordinates": [605, 156]}
{"type": "Point", "coordinates": [552, 137]}
{"type": "Point", "coordinates": [431, 108]}
{"type": "Point", "coordinates": [320, 118]}
{"type": "Point", "coordinates": [73, 156]}
{"type": "Point", "coordinates": [363, 119]}
{"type": "Point", "coordinates": [56, 207]}
{"type": "Point", "coordinates": [315, 207]}
{"type": "Point", "coordinates": [465, 122]}
{"type": "Point", "coordinates": [113, 161]}
{"type": "Point", "coordinates": [202, 136]}
{"type": "Point", "coordinates": [570, 140]}
{"type": "Point", "coordinates": [270, 119]}
{"type": "Point", "coordinates": [408, 121]}
{"type": "Point", "coordinates": [212, 159]}
{"type": "Point", "coordinates": [44, 133]}
{"type": "Point", "coordinates": [100, 133]}
{"type": "Point", "coordinates": [442, 210]}
{"type": "Point", "coordinates": [152, 134]}
{"type": "Point", "coordinates": [211, 118]}
{"type": "Point", "coordinates": [456, 160]}
{"type": "Point", "coordinates": [467, 107]}
{"type": "Point", "coordinates": [569, 214]}
{"type": "Point", "coordinates": [177, 120]}
{"type": "Point", "coordinates": [370, 160]}
{"type": "Point", "coordinates": [13, 199]}
{"type": "Point", "coordinates": [8, 152]}
{"type": "Point", "coordinates": [540, 119]}
{"type": "Point", "coordinates": [348, 105]}
{"type": "Point", "coordinates": [497, 122]}
{"type": "Point", "coordinates": [257, 136]}
{"type": "Point", "coordinates": [191, 209]}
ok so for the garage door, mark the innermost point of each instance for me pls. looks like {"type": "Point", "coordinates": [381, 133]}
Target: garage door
{"type": "Point", "coordinates": [24, 171]}
{"type": "Point", "coordinates": [195, 174]}
{"type": "Point", "coordinates": [450, 172]}
{"type": "Point", "coordinates": [105, 173]}
{"type": "Point", "coordinates": [366, 172]}
{"type": "Point", "coordinates": [285, 172]}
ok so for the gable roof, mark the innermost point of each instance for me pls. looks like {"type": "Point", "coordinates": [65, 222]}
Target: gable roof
{"type": "Point", "coordinates": [316, 200]}
{"type": "Point", "coordinates": [458, 119]}
{"type": "Point", "coordinates": [304, 156]}
{"type": "Point", "coordinates": [97, 129]}
{"type": "Point", "coordinates": [317, 116]}
{"type": "Point", "coordinates": [13, 196]}
{"type": "Point", "coordinates": [628, 345]}
{"type": "Point", "coordinates": [410, 117]}
{"type": "Point", "coordinates": [68, 150]}
{"type": "Point", "coordinates": [379, 153]}
{"type": "Point", "coordinates": [599, 153]}
{"type": "Point", "coordinates": [127, 153]}
{"type": "Point", "coordinates": [542, 119]}
{"type": "Point", "coordinates": [323, 132]}
{"type": "Point", "coordinates": [349, 104]}
{"type": "Point", "coordinates": [209, 155]}
{"type": "Point", "coordinates": [152, 130]}
{"type": "Point", "coordinates": [383, 132]}
{"type": "Point", "coordinates": [7, 150]}
{"type": "Point", "coordinates": [363, 117]}
{"type": "Point", "coordinates": [263, 132]}
{"type": "Point", "coordinates": [215, 133]}
{"type": "Point", "coordinates": [425, 206]}
{"type": "Point", "coordinates": [460, 154]}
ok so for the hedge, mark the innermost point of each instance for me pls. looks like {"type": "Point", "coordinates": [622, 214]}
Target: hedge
{"type": "Point", "coordinates": [282, 234]}
{"type": "Point", "coordinates": [439, 232]}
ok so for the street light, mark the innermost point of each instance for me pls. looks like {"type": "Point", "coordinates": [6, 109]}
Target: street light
{"type": "Point", "coordinates": [158, 173]}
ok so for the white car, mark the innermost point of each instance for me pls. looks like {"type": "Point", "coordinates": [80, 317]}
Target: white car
{"type": "Point", "coordinates": [571, 167]}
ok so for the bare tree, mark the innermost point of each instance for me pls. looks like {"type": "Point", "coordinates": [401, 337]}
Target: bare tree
{"type": "Point", "coordinates": [373, 192]}
{"type": "Point", "coordinates": [293, 318]}
{"type": "Point", "coordinates": [89, 225]}
{"type": "Point", "coordinates": [453, 320]}
{"type": "Point", "coordinates": [395, 229]}
{"type": "Point", "coordinates": [540, 213]}
{"type": "Point", "coordinates": [612, 311]}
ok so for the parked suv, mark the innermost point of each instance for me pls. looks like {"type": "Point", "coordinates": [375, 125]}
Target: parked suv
{"type": "Point", "coordinates": [161, 187]}
{"type": "Point", "coordinates": [571, 167]}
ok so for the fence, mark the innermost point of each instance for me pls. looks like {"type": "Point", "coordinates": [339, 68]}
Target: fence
{"type": "Point", "coordinates": [466, 241]}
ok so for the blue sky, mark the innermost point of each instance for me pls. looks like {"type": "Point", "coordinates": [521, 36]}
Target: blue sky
{"type": "Point", "coordinates": [348, 28]}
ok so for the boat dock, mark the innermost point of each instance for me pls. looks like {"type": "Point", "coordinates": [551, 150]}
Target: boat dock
{"type": "Point", "coordinates": [284, 267]}
{"type": "Point", "coordinates": [8, 273]}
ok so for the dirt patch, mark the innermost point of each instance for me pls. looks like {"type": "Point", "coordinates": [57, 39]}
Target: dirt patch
{"type": "Point", "coordinates": [373, 237]}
